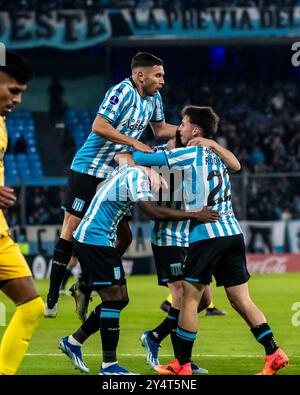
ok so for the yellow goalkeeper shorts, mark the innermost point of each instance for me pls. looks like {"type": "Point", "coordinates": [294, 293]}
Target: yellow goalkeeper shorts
{"type": "Point", "coordinates": [12, 262]}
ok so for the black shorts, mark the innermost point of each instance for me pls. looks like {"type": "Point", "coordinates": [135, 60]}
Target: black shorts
{"type": "Point", "coordinates": [101, 266]}
{"type": "Point", "coordinates": [81, 189]}
{"type": "Point", "coordinates": [221, 257]}
{"type": "Point", "coordinates": [169, 262]}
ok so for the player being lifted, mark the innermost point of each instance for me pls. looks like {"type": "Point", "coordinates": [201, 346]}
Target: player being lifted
{"type": "Point", "coordinates": [214, 249]}
{"type": "Point", "coordinates": [123, 115]}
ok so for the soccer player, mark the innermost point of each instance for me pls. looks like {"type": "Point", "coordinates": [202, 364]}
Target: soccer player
{"type": "Point", "coordinates": [215, 249]}
{"type": "Point", "coordinates": [15, 276]}
{"type": "Point", "coordinates": [126, 110]}
{"type": "Point", "coordinates": [95, 247]}
{"type": "Point", "coordinates": [170, 241]}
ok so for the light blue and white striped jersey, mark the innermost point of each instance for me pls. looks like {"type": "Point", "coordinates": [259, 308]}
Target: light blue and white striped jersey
{"type": "Point", "coordinates": [127, 112]}
{"type": "Point", "coordinates": [114, 199]}
{"type": "Point", "coordinates": [206, 182]}
{"type": "Point", "coordinates": [170, 233]}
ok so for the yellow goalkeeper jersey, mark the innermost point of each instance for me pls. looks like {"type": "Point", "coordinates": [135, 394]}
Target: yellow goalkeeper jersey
{"type": "Point", "coordinates": [3, 145]}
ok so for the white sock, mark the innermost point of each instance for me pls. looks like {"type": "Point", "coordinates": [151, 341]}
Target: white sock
{"type": "Point", "coordinates": [108, 364]}
{"type": "Point", "coordinates": [73, 341]}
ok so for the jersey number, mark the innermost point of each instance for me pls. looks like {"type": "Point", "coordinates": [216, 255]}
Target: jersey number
{"type": "Point", "coordinates": [215, 191]}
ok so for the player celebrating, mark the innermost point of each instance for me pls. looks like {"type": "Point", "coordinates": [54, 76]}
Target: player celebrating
{"type": "Point", "coordinates": [15, 276]}
{"type": "Point", "coordinates": [123, 115]}
{"type": "Point", "coordinates": [215, 249]}
{"type": "Point", "coordinates": [95, 247]}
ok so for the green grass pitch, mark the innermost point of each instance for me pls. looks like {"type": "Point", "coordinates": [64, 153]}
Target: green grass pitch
{"type": "Point", "coordinates": [224, 345]}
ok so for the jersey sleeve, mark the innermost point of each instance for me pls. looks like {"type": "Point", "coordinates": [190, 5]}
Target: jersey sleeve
{"type": "Point", "coordinates": [155, 159]}
{"type": "Point", "coordinates": [115, 101]}
{"type": "Point", "coordinates": [158, 113]}
{"type": "Point", "coordinates": [139, 186]}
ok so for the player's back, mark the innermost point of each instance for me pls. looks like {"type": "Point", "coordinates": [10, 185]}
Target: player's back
{"type": "Point", "coordinates": [113, 200]}
{"type": "Point", "coordinates": [206, 182]}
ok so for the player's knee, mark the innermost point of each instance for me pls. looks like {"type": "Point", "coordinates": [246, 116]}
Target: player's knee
{"type": "Point", "coordinates": [117, 305]}
{"type": "Point", "coordinates": [32, 311]}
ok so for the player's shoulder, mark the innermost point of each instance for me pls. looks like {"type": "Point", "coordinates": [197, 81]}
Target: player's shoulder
{"type": "Point", "coordinates": [122, 88]}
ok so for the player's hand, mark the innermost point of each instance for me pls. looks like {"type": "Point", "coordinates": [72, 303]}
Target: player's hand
{"type": "Point", "coordinates": [203, 142]}
{"type": "Point", "coordinates": [206, 215]}
{"type": "Point", "coordinates": [156, 180]}
{"type": "Point", "coordinates": [7, 197]}
{"type": "Point", "coordinates": [139, 146]}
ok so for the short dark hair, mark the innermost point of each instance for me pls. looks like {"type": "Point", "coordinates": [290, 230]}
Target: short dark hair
{"type": "Point", "coordinates": [17, 67]}
{"type": "Point", "coordinates": [145, 59]}
{"type": "Point", "coordinates": [204, 117]}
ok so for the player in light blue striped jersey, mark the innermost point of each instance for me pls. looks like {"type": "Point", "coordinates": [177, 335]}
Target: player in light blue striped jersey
{"type": "Point", "coordinates": [123, 115]}
{"type": "Point", "coordinates": [95, 247]}
{"type": "Point", "coordinates": [217, 249]}
{"type": "Point", "coordinates": [170, 241]}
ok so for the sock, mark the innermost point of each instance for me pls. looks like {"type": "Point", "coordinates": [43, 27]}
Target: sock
{"type": "Point", "coordinates": [74, 342]}
{"type": "Point", "coordinates": [110, 329]}
{"type": "Point", "coordinates": [90, 326]}
{"type": "Point", "coordinates": [264, 335]}
{"type": "Point", "coordinates": [17, 335]}
{"type": "Point", "coordinates": [66, 277]}
{"type": "Point", "coordinates": [61, 257]}
{"type": "Point", "coordinates": [169, 298]}
{"type": "Point", "coordinates": [185, 341]}
{"type": "Point", "coordinates": [173, 316]}
{"type": "Point", "coordinates": [108, 364]}
{"type": "Point", "coordinates": [211, 306]}
{"type": "Point", "coordinates": [161, 331]}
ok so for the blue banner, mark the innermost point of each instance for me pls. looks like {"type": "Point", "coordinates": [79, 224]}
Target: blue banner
{"type": "Point", "coordinates": [75, 29]}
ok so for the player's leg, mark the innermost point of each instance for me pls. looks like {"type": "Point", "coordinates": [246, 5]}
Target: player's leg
{"type": "Point", "coordinates": [211, 309]}
{"type": "Point", "coordinates": [80, 292]}
{"type": "Point", "coordinates": [232, 273]}
{"type": "Point", "coordinates": [169, 261]}
{"type": "Point", "coordinates": [16, 282]}
{"type": "Point", "coordinates": [80, 192]}
{"type": "Point", "coordinates": [68, 275]}
{"type": "Point", "coordinates": [61, 258]}
{"type": "Point", "coordinates": [151, 339]}
{"type": "Point", "coordinates": [240, 300]}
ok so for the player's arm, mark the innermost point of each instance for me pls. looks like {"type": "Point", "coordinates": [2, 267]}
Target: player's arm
{"type": "Point", "coordinates": [229, 159]}
{"type": "Point", "coordinates": [156, 212]}
{"type": "Point", "coordinates": [7, 197]}
{"type": "Point", "coordinates": [163, 130]}
{"type": "Point", "coordinates": [157, 181]}
{"type": "Point", "coordinates": [103, 128]}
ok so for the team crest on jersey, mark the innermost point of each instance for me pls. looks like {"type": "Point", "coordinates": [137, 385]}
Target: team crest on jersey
{"type": "Point", "coordinates": [78, 204]}
{"type": "Point", "coordinates": [114, 100]}
{"type": "Point", "coordinates": [117, 273]}
{"type": "Point", "coordinates": [144, 186]}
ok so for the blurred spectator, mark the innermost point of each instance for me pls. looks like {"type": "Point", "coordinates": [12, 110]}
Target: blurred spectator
{"type": "Point", "coordinates": [20, 146]}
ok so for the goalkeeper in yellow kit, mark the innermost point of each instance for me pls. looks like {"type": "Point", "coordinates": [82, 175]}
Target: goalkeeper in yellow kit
{"type": "Point", "coordinates": [15, 276]}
